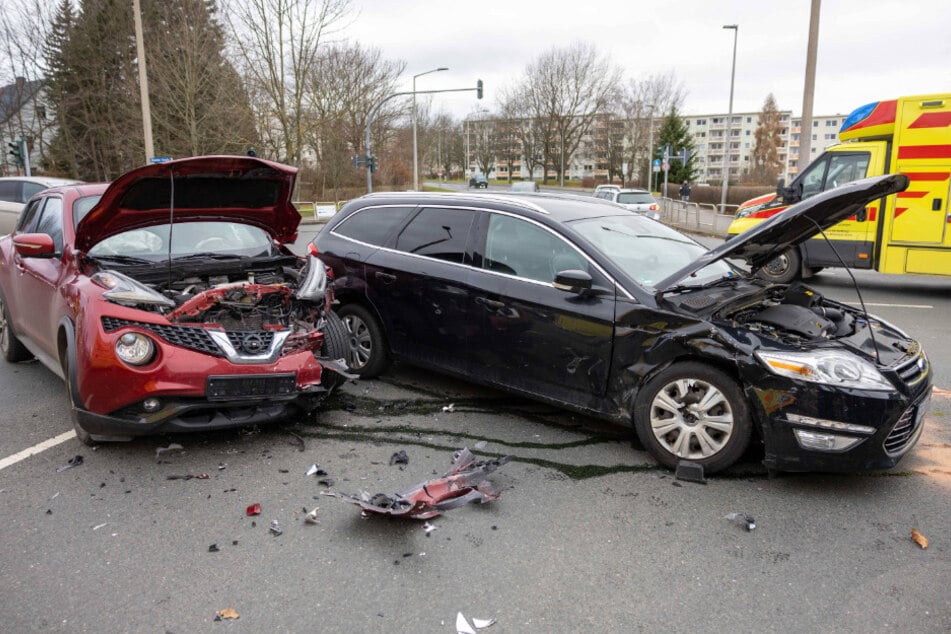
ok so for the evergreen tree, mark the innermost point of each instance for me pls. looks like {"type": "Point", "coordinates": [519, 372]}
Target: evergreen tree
{"type": "Point", "coordinates": [768, 138]}
{"type": "Point", "coordinates": [674, 133]}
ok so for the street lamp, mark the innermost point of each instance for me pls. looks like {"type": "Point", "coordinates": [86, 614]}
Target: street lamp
{"type": "Point", "coordinates": [650, 147]}
{"type": "Point", "coordinates": [729, 118]}
{"type": "Point", "coordinates": [415, 162]}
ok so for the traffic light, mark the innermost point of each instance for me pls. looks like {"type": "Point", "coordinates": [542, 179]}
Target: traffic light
{"type": "Point", "coordinates": [16, 151]}
{"type": "Point", "coordinates": [479, 89]}
{"type": "Point", "coordinates": [357, 161]}
{"type": "Point", "coordinates": [372, 163]}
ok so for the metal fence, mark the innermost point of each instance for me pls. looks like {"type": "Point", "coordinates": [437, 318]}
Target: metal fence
{"type": "Point", "coordinates": [699, 217]}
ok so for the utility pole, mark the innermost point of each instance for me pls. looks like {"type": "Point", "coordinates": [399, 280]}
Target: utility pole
{"type": "Point", "coordinates": [808, 91]}
{"type": "Point", "coordinates": [729, 120]}
{"type": "Point", "coordinates": [143, 82]}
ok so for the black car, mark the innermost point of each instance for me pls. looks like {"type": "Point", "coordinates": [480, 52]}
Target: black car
{"type": "Point", "coordinates": [580, 303]}
{"type": "Point", "coordinates": [479, 182]}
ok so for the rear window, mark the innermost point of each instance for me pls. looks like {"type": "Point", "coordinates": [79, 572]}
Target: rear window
{"type": "Point", "coordinates": [636, 198]}
{"type": "Point", "coordinates": [372, 225]}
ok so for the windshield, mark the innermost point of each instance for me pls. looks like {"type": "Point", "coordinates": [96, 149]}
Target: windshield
{"type": "Point", "coordinates": [634, 198]}
{"type": "Point", "coordinates": [647, 251]}
{"type": "Point", "coordinates": [188, 239]}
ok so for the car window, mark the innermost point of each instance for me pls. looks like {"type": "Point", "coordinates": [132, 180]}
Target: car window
{"type": "Point", "coordinates": [11, 191]}
{"type": "Point", "coordinates": [82, 206]}
{"type": "Point", "coordinates": [845, 168]}
{"type": "Point", "coordinates": [517, 247]}
{"type": "Point", "coordinates": [372, 225]}
{"type": "Point", "coordinates": [437, 233]}
{"type": "Point", "coordinates": [634, 198]}
{"type": "Point", "coordinates": [29, 189]}
{"type": "Point", "coordinates": [51, 222]}
{"type": "Point", "coordinates": [29, 216]}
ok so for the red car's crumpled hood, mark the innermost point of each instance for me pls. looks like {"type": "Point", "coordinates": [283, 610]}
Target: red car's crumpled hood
{"type": "Point", "coordinates": [225, 188]}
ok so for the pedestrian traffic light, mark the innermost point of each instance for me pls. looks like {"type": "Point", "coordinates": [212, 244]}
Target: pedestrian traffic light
{"type": "Point", "coordinates": [479, 89]}
{"type": "Point", "coordinates": [16, 151]}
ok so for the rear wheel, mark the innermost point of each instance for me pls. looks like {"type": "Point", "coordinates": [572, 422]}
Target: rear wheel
{"type": "Point", "coordinates": [12, 348]}
{"type": "Point", "coordinates": [784, 268]}
{"type": "Point", "coordinates": [693, 411]}
{"type": "Point", "coordinates": [368, 354]}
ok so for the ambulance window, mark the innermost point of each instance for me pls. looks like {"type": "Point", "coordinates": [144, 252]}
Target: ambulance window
{"type": "Point", "coordinates": [845, 169]}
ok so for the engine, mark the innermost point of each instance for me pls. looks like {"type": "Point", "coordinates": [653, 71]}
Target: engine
{"type": "Point", "coordinates": [796, 313]}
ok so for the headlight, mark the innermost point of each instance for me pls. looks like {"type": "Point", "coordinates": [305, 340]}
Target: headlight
{"type": "Point", "coordinates": [831, 368]}
{"type": "Point", "coordinates": [122, 289]}
{"type": "Point", "coordinates": [134, 348]}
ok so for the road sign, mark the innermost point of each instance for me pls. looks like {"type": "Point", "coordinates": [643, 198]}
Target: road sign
{"type": "Point", "coordinates": [656, 162]}
{"type": "Point", "coordinates": [160, 159]}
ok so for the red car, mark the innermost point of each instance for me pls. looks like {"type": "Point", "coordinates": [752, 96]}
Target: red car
{"type": "Point", "coordinates": [168, 300]}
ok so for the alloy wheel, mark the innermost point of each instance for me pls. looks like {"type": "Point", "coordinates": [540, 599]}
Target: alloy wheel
{"type": "Point", "coordinates": [691, 419]}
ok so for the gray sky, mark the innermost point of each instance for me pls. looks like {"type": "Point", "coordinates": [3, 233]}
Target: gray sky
{"type": "Point", "coordinates": [868, 49]}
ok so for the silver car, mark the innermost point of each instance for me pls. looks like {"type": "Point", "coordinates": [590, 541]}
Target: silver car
{"type": "Point", "coordinates": [639, 200]}
{"type": "Point", "coordinates": [16, 190]}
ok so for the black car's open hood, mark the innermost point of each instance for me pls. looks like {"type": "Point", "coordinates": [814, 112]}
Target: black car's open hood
{"type": "Point", "coordinates": [796, 224]}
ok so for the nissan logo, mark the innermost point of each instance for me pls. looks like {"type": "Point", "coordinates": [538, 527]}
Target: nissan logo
{"type": "Point", "coordinates": [252, 344]}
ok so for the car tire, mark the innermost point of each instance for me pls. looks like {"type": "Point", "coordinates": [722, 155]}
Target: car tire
{"type": "Point", "coordinates": [336, 340]}
{"type": "Point", "coordinates": [367, 352]}
{"type": "Point", "coordinates": [10, 345]}
{"type": "Point", "coordinates": [784, 268]}
{"type": "Point", "coordinates": [84, 436]}
{"type": "Point", "coordinates": [670, 429]}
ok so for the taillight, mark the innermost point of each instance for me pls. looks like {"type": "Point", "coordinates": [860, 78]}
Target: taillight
{"type": "Point", "coordinates": [312, 249]}
{"type": "Point", "coordinates": [654, 207]}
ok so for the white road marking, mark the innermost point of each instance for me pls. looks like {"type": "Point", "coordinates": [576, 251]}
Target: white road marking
{"type": "Point", "coordinates": [35, 449]}
{"type": "Point", "coordinates": [926, 306]}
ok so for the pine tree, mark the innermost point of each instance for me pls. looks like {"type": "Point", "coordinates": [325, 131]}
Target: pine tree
{"type": "Point", "coordinates": [765, 162]}
{"type": "Point", "coordinates": [674, 133]}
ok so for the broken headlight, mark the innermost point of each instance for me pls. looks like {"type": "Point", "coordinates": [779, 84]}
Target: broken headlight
{"type": "Point", "coordinates": [124, 290]}
{"type": "Point", "coordinates": [829, 367]}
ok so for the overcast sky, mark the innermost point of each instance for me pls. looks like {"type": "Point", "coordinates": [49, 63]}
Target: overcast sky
{"type": "Point", "coordinates": [868, 49]}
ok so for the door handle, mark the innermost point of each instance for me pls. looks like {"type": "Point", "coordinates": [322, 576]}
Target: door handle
{"type": "Point", "coordinates": [386, 278]}
{"type": "Point", "coordinates": [490, 304]}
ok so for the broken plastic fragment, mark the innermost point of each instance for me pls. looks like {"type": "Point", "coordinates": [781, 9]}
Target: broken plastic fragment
{"type": "Point", "coordinates": [227, 613]}
{"type": "Point", "coordinates": [747, 520]}
{"type": "Point", "coordinates": [479, 446]}
{"type": "Point", "coordinates": [429, 528]}
{"type": "Point", "coordinates": [275, 528]}
{"type": "Point", "coordinates": [214, 548]}
{"type": "Point", "coordinates": [463, 483]}
{"type": "Point", "coordinates": [690, 471]}
{"type": "Point", "coordinates": [399, 457]}
{"type": "Point", "coordinates": [172, 447]}
{"type": "Point", "coordinates": [311, 518]}
{"type": "Point", "coordinates": [918, 538]}
{"type": "Point", "coordinates": [97, 527]}
{"type": "Point", "coordinates": [462, 625]}
{"type": "Point", "coordinates": [449, 408]}
{"type": "Point", "coordinates": [254, 509]}
{"type": "Point", "coordinates": [481, 624]}
{"type": "Point", "coordinates": [315, 470]}
{"type": "Point", "coordinates": [75, 461]}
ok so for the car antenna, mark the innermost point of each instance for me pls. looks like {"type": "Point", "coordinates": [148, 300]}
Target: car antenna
{"type": "Point", "coordinates": [855, 284]}
{"type": "Point", "coordinates": [171, 221]}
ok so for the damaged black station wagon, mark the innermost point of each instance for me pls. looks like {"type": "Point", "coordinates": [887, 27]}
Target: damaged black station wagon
{"type": "Point", "coordinates": [576, 302]}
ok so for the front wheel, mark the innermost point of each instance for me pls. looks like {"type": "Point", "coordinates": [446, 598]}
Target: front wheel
{"type": "Point", "coordinates": [368, 354]}
{"type": "Point", "coordinates": [12, 348]}
{"type": "Point", "coordinates": [784, 268]}
{"type": "Point", "coordinates": [693, 411]}
{"type": "Point", "coordinates": [84, 436]}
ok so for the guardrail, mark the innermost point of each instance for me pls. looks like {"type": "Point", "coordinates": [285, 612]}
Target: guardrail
{"type": "Point", "coordinates": [699, 217]}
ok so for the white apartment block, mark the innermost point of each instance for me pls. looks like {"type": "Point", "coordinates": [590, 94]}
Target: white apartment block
{"type": "Point", "coordinates": [712, 140]}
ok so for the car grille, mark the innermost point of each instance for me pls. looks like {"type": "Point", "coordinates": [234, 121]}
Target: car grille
{"type": "Point", "coordinates": [254, 342]}
{"type": "Point", "coordinates": [183, 336]}
{"type": "Point", "coordinates": [903, 432]}
{"type": "Point", "coordinates": [913, 370]}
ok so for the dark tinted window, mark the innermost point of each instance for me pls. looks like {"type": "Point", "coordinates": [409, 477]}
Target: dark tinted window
{"type": "Point", "coordinates": [437, 233]}
{"type": "Point", "coordinates": [11, 191]}
{"type": "Point", "coordinates": [28, 216]}
{"type": "Point", "coordinates": [51, 222]}
{"type": "Point", "coordinates": [372, 225]}
{"type": "Point", "coordinates": [521, 248]}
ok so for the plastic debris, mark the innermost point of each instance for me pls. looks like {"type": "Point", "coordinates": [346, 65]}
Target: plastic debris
{"type": "Point", "coordinates": [463, 627]}
{"type": "Point", "coordinates": [690, 472]}
{"type": "Point", "coordinates": [214, 548]}
{"type": "Point", "coordinates": [479, 446]}
{"type": "Point", "coordinates": [172, 447]}
{"type": "Point", "coordinates": [918, 538]}
{"type": "Point", "coordinates": [311, 518]}
{"type": "Point", "coordinates": [399, 457]}
{"type": "Point", "coordinates": [254, 509]}
{"type": "Point", "coordinates": [449, 408]}
{"type": "Point", "coordinates": [275, 528]}
{"type": "Point", "coordinates": [98, 526]}
{"type": "Point", "coordinates": [188, 476]}
{"type": "Point", "coordinates": [747, 520]}
{"type": "Point", "coordinates": [463, 483]}
{"type": "Point", "coordinates": [429, 528]}
{"type": "Point", "coordinates": [481, 624]}
{"type": "Point", "coordinates": [327, 482]}
{"type": "Point", "coordinates": [75, 461]}
{"type": "Point", "coordinates": [315, 470]}
{"type": "Point", "coordinates": [227, 613]}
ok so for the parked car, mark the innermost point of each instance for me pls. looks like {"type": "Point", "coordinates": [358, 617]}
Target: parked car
{"type": "Point", "coordinates": [168, 301]}
{"type": "Point", "coordinates": [577, 302]}
{"type": "Point", "coordinates": [639, 200]}
{"type": "Point", "coordinates": [16, 190]}
{"type": "Point", "coordinates": [525, 186]}
{"type": "Point", "coordinates": [607, 188]}
{"type": "Point", "coordinates": [479, 182]}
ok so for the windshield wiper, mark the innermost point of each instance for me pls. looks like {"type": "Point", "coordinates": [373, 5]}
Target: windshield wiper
{"type": "Point", "coordinates": [211, 256]}
{"type": "Point", "coordinates": [121, 259]}
{"type": "Point", "coordinates": [646, 235]}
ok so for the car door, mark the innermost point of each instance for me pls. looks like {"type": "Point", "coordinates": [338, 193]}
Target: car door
{"type": "Point", "coordinates": [532, 336]}
{"type": "Point", "coordinates": [419, 286]}
{"type": "Point", "coordinates": [38, 278]}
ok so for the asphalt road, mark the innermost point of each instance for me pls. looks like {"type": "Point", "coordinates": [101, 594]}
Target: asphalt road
{"type": "Point", "coordinates": [588, 534]}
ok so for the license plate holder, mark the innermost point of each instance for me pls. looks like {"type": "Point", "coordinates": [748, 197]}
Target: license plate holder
{"type": "Point", "coordinates": [238, 387]}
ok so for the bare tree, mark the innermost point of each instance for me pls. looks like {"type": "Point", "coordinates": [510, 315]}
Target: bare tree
{"type": "Point", "coordinates": [480, 139]}
{"type": "Point", "coordinates": [278, 44]}
{"type": "Point", "coordinates": [530, 131]}
{"type": "Point", "coordinates": [566, 88]}
{"type": "Point", "coordinates": [645, 102]}
{"type": "Point", "coordinates": [768, 138]}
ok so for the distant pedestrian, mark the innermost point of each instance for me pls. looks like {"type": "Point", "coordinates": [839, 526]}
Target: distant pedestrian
{"type": "Point", "coordinates": [685, 192]}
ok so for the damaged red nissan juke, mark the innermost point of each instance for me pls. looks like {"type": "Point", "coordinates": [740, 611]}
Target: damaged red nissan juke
{"type": "Point", "coordinates": [168, 301]}
{"type": "Point", "coordinates": [579, 303]}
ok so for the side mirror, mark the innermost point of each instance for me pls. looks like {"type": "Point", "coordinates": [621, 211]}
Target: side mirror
{"type": "Point", "coordinates": [572, 281]}
{"type": "Point", "coordinates": [34, 245]}
{"type": "Point", "coordinates": [780, 187]}
{"type": "Point", "coordinates": [862, 214]}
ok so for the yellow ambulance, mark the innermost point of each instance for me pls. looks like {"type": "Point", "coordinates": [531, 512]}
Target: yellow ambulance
{"type": "Point", "coordinates": [909, 232]}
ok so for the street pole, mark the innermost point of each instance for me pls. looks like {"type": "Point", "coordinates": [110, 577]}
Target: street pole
{"type": "Point", "coordinates": [143, 82]}
{"type": "Point", "coordinates": [729, 120]}
{"type": "Point", "coordinates": [805, 127]}
{"type": "Point", "coordinates": [415, 160]}
{"type": "Point", "coordinates": [650, 148]}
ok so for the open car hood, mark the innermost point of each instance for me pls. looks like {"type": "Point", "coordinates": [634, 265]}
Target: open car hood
{"type": "Point", "coordinates": [796, 224]}
{"type": "Point", "coordinates": [223, 188]}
